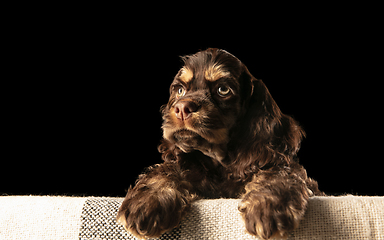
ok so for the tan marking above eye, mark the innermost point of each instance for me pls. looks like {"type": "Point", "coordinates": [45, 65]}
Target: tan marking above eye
{"type": "Point", "coordinates": [215, 72]}
{"type": "Point", "coordinates": [186, 75]}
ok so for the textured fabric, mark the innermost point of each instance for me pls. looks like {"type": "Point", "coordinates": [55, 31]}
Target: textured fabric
{"type": "Point", "coordinates": [98, 221]}
{"type": "Point", "coordinates": [214, 219]}
{"type": "Point", "coordinates": [38, 217]}
{"type": "Point", "coordinates": [347, 217]}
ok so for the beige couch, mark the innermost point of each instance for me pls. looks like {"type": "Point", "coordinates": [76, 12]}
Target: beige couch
{"type": "Point", "coordinates": [48, 217]}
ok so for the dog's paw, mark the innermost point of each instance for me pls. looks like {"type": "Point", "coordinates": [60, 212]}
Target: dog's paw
{"type": "Point", "coordinates": [149, 215]}
{"type": "Point", "coordinates": [268, 216]}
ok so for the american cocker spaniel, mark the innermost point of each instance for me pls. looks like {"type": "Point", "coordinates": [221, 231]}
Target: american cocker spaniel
{"type": "Point", "coordinates": [223, 137]}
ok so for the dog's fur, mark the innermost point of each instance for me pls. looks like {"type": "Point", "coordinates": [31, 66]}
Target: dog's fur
{"type": "Point", "coordinates": [224, 137]}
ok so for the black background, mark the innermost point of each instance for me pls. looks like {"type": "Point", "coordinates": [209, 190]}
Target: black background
{"type": "Point", "coordinates": [82, 108]}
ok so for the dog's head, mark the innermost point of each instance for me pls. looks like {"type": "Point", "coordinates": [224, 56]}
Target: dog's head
{"type": "Point", "coordinates": [217, 107]}
{"type": "Point", "coordinates": [205, 98]}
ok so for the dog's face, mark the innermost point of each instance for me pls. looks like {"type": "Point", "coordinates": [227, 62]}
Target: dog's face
{"type": "Point", "coordinates": [206, 98]}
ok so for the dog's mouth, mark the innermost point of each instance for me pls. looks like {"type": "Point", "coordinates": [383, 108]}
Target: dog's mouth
{"type": "Point", "coordinates": [198, 126]}
{"type": "Point", "coordinates": [212, 144]}
{"type": "Point", "coordinates": [184, 134]}
{"type": "Point", "coordinates": [215, 136]}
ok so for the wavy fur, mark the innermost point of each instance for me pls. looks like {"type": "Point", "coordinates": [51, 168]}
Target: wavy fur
{"type": "Point", "coordinates": [237, 145]}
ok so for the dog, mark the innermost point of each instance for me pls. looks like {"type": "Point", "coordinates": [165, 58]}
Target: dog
{"type": "Point", "coordinates": [223, 137]}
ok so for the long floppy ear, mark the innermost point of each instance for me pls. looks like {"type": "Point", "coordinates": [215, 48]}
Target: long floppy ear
{"type": "Point", "coordinates": [264, 137]}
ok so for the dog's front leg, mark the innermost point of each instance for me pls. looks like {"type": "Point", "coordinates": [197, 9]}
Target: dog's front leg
{"type": "Point", "coordinates": [157, 203]}
{"type": "Point", "coordinates": [274, 202]}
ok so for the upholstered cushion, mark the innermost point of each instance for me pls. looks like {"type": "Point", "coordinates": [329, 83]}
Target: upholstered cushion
{"type": "Point", "coordinates": [47, 217]}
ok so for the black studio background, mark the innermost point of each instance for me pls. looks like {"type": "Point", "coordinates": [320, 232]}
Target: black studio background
{"type": "Point", "coordinates": [83, 111]}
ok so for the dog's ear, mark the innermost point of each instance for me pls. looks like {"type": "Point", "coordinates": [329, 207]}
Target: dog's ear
{"type": "Point", "coordinates": [264, 137]}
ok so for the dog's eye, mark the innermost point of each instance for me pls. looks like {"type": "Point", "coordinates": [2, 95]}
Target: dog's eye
{"type": "Point", "coordinates": [223, 91]}
{"type": "Point", "coordinates": [180, 92]}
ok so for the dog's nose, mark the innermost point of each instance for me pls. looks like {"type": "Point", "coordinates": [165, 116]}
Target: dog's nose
{"type": "Point", "coordinates": [184, 109]}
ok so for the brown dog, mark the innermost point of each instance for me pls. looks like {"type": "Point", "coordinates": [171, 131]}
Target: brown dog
{"type": "Point", "coordinates": [224, 137]}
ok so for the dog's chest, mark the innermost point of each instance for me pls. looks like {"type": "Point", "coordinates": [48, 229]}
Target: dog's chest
{"type": "Point", "coordinates": [208, 178]}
